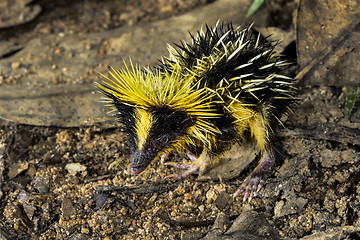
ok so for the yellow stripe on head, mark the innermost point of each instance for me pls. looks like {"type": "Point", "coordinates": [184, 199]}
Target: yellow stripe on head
{"type": "Point", "coordinates": [143, 122]}
{"type": "Point", "coordinates": [145, 90]}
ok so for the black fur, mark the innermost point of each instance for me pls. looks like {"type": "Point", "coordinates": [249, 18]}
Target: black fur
{"type": "Point", "coordinates": [203, 45]}
{"type": "Point", "coordinates": [125, 115]}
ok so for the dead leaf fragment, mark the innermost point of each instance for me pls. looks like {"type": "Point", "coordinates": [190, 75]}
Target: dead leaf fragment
{"type": "Point", "coordinates": [17, 168]}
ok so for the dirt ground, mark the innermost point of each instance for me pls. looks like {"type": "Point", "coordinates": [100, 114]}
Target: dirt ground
{"type": "Point", "coordinates": [56, 182]}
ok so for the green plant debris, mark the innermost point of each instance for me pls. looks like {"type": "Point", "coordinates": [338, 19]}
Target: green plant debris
{"type": "Point", "coordinates": [254, 6]}
{"type": "Point", "coordinates": [350, 100]}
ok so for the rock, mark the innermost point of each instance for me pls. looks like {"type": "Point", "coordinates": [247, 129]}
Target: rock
{"type": "Point", "coordinates": [221, 224]}
{"type": "Point", "coordinates": [346, 232]}
{"type": "Point", "coordinates": [252, 225]}
{"type": "Point", "coordinates": [291, 205]}
{"type": "Point", "coordinates": [67, 208]}
{"type": "Point", "coordinates": [234, 161]}
{"type": "Point", "coordinates": [223, 199]}
{"type": "Point", "coordinates": [74, 168]}
{"type": "Point", "coordinates": [190, 235]}
{"type": "Point", "coordinates": [41, 183]}
{"type": "Point", "coordinates": [249, 225]}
